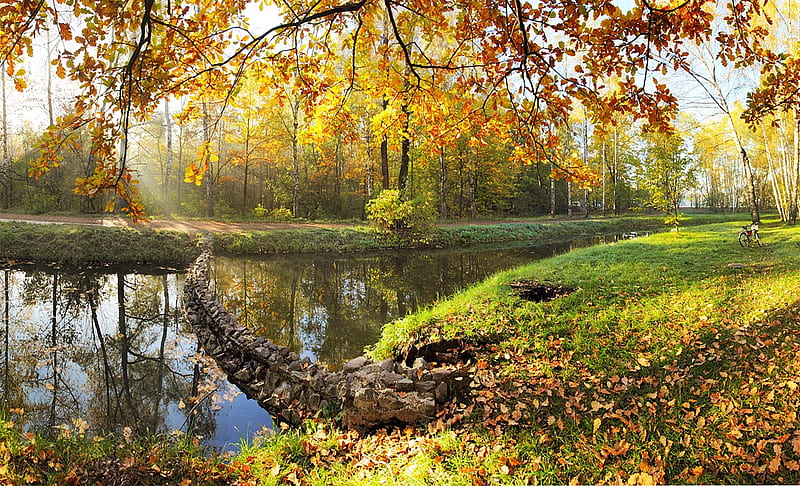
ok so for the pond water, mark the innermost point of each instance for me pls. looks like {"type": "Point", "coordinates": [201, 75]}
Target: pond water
{"type": "Point", "coordinates": [108, 350]}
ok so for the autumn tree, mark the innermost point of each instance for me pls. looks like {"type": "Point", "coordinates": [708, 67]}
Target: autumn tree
{"type": "Point", "coordinates": [720, 178]}
{"type": "Point", "coordinates": [248, 134]}
{"type": "Point", "coordinates": [508, 53]}
{"type": "Point", "coordinates": [669, 171]}
{"type": "Point", "coordinates": [715, 82]}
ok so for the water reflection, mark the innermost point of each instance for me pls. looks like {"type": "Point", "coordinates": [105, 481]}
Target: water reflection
{"type": "Point", "coordinates": [329, 307]}
{"type": "Point", "coordinates": [104, 352]}
{"type": "Point", "coordinates": [110, 351]}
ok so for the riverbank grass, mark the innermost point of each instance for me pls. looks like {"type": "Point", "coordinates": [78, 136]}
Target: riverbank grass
{"type": "Point", "coordinates": [673, 360]}
{"type": "Point", "coordinates": [85, 245]}
{"type": "Point", "coordinates": [72, 457]}
{"type": "Point", "coordinates": [94, 245]}
{"type": "Point", "coordinates": [367, 238]}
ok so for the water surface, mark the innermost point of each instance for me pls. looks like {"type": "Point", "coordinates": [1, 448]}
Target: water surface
{"type": "Point", "coordinates": [108, 350]}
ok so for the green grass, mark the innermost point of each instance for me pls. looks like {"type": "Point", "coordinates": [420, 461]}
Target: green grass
{"type": "Point", "coordinates": [673, 361]}
{"type": "Point", "coordinates": [626, 287]}
{"type": "Point", "coordinates": [92, 245]}
{"type": "Point", "coordinates": [96, 245]}
{"type": "Point", "coordinates": [73, 457]}
{"type": "Point", "coordinates": [678, 351]}
{"type": "Point", "coordinates": [363, 238]}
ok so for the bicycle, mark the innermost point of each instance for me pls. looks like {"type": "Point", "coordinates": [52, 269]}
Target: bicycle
{"type": "Point", "coordinates": [748, 236]}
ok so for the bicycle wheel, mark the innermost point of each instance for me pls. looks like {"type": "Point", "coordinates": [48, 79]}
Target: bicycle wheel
{"type": "Point", "coordinates": [744, 239]}
{"type": "Point", "coordinates": [757, 241]}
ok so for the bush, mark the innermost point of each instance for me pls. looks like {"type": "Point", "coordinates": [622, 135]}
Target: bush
{"type": "Point", "coordinates": [281, 214]}
{"type": "Point", "coordinates": [277, 214]}
{"type": "Point", "coordinates": [391, 213]}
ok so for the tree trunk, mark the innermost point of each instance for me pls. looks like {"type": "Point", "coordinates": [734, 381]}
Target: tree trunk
{"type": "Point", "coordinates": [210, 173]}
{"type": "Point", "coordinates": [5, 164]}
{"type": "Point", "coordinates": [615, 177]}
{"type": "Point", "coordinates": [586, 160]}
{"type": "Point", "coordinates": [752, 199]}
{"type": "Point", "coordinates": [295, 160]}
{"type": "Point", "coordinates": [777, 194]}
{"type": "Point", "coordinates": [569, 199]}
{"type": "Point", "coordinates": [405, 146]}
{"type": "Point", "coordinates": [796, 170]}
{"type": "Point", "coordinates": [109, 383]}
{"type": "Point", "coordinates": [604, 163]}
{"type": "Point", "coordinates": [246, 163]}
{"type": "Point", "coordinates": [443, 184]}
{"type": "Point", "coordinates": [124, 348]}
{"type": "Point", "coordinates": [168, 169]}
{"type": "Point", "coordinates": [385, 179]}
{"type": "Point", "coordinates": [54, 364]}
{"type": "Point", "coordinates": [7, 328]}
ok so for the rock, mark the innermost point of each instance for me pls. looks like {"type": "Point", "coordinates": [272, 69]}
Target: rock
{"type": "Point", "coordinates": [387, 365]}
{"type": "Point", "coordinates": [404, 385]}
{"type": "Point", "coordinates": [425, 386]}
{"type": "Point", "coordinates": [441, 394]}
{"type": "Point", "coordinates": [441, 374]}
{"type": "Point", "coordinates": [390, 379]}
{"type": "Point", "coordinates": [242, 376]}
{"type": "Point", "coordinates": [355, 364]}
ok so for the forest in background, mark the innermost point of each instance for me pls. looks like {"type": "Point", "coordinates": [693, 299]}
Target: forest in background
{"type": "Point", "coordinates": [320, 132]}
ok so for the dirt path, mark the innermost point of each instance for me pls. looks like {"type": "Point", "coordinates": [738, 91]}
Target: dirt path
{"type": "Point", "coordinates": [167, 224]}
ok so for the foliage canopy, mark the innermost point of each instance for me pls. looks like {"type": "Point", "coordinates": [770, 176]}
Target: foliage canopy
{"type": "Point", "coordinates": [507, 70]}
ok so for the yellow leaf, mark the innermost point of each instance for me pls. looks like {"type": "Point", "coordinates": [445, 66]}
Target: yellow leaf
{"type": "Point", "coordinates": [641, 478]}
{"type": "Point", "coordinates": [596, 424]}
{"type": "Point", "coordinates": [643, 361]}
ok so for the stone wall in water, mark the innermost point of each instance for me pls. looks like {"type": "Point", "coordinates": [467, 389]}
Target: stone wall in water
{"type": "Point", "coordinates": [368, 394]}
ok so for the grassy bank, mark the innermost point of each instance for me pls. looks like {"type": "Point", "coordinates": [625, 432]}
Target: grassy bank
{"type": "Point", "coordinates": [673, 360]}
{"type": "Point", "coordinates": [74, 458]}
{"type": "Point", "coordinates": [94, 245]}
{"type": "Point", "coordinates": [363, 238]}
{"type": "Point", "coordinates": [97, 245]}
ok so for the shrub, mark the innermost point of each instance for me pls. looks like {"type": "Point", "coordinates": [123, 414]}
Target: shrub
{"type": "Point", "coordinates": [260, 211]}
{"type": "Point", "coordinates": [281, 214]}
{"type": "Point", "coordinates": [42, 204]}
{"type": "Point", "coordinates": [277, 214]}
{"type": "Point", "coordinates": [391, 213]}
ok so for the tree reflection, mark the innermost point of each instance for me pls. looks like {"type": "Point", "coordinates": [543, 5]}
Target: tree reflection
{"type": "Point", "coordinates": [331, 308]}
{"type": "Point", "coordinates": [112, 347]}
{"type": "Point", "coordinates": [108, 348]}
